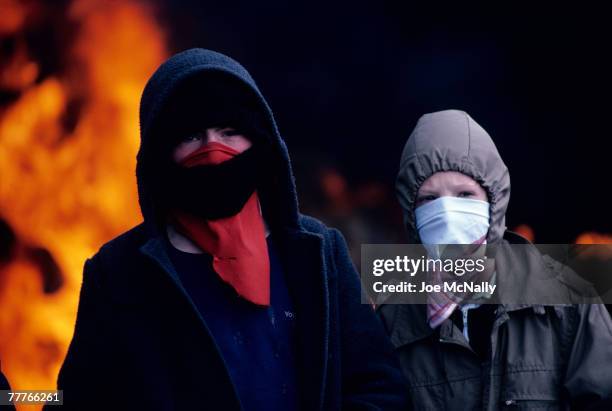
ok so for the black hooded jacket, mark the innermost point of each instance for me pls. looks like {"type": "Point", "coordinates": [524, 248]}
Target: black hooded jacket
{"type": "Point", "coordinates": [139, 342]}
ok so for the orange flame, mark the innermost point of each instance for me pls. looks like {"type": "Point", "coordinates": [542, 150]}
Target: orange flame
{"type": "Point", "coordinates": [588, 237]}
{"type": "Point", "coordinates": [594, 238]}
{"type": "Point", "coordinates": [67, 192]}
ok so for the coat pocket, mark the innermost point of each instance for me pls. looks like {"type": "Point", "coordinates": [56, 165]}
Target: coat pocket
{"type": "Point", "coordinates": [535, 389]}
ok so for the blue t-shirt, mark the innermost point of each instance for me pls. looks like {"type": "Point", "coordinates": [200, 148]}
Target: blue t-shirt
{"type": "Point", "coordinates": [257, 343]}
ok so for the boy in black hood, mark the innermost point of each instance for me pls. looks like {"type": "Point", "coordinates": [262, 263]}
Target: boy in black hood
{"type": "Point", "coordinates": [225, 297]}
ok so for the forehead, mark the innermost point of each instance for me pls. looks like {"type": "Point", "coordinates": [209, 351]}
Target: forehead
{"type": "Point", "coordinates": [444, 179]}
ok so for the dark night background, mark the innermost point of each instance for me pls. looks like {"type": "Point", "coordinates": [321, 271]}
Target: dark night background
{"type": "Point", "coordinates": [347, 83]}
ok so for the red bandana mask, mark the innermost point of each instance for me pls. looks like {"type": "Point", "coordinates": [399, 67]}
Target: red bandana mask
{"type": "Point", "coordinates": [237, 243]}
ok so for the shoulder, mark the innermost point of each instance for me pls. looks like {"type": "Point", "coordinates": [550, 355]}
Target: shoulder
{"type": "Point", "coordinates": [334, 247]}
{"type": "Point", "coordinates": [312, 225]}
{"type": "Point", "coordinates": [119, 252]}
{"type": "Point", "coordinates": [119, 271]}
{"type": "Point", "coordinates": [544, 263]}
{"type": "Point", "coordinates": [124, 243]}
{"type": "Point", "coordinates": [577, 289]}
{"type": "Point", "coordinates": [332, 237]}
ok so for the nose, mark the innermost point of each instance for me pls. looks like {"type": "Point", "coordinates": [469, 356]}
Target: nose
{"type": "Point", "coordinates": [212, 135]}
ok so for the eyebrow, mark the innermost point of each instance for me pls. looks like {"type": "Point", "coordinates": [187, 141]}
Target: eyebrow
{"type": "Point", "coordinates": [465, 186]}
{"type": "Point", "coordinates": [427, 192]}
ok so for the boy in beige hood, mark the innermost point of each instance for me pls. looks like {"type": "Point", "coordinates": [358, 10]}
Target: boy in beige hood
{"type": "Point", "coordinates": [454, 188]}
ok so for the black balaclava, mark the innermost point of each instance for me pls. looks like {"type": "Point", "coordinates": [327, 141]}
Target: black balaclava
{"type": "Point", "coordinates": [210, 191]}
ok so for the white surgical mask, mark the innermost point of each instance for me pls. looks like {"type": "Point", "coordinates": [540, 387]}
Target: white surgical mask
{"type": "Point", "coordinates": [452, 220]}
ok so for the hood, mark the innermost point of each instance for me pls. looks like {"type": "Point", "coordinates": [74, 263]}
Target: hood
{"type": "Point", "coordinates": [451, 140]}
{"type": "Point", "coordinates": [278, 198]}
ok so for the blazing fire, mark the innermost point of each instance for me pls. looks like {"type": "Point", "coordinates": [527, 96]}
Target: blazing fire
{"type": "Point", "coordinates": [68, 141]}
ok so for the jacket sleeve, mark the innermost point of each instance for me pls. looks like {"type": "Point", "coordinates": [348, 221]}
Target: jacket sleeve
{"type": "Point", "coordinates": [371, 376]}
{"type": "Point", "coordinates": [84, 371]}
{"type": "Point", "coordinates": [588, 377]}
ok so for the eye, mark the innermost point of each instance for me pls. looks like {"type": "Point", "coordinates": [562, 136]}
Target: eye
{"type": "Point", "coordinates": [192, 137]}
{"type": "Point", "coordinates": [229, 132]}
{"type": "Point", "coordinates": [425, 198]}
{"type": "Point", "coordinates": [466, 194]}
